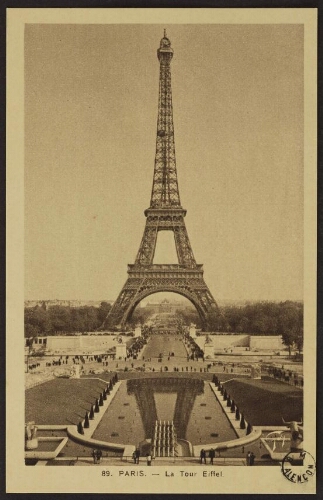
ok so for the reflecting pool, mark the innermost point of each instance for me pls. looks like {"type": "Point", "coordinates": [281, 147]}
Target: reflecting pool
{"type": "Point", "coordinates": [189, 403]}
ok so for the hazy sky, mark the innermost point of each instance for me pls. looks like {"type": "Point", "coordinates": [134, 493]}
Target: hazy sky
{"type": "Point", "coordinates": [90, 130]}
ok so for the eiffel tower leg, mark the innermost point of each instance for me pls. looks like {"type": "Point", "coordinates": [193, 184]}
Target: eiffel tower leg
{"type": "Point", "coordinates": [183, 247]}
{"type": "Point", "coordinates": [146, 251]}
{"type": "Point", "coordinates": [117, 313]}
{"type": "Point", "coordinates": [209, 306]}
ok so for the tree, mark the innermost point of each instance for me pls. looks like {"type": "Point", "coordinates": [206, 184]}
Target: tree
{"type": "Point", "coordinates": [31, 330]}
{"type": "Point", "coordinates": [60, 318]}
{"type": "Point", "coordinates": [243, 325]}
{"type": "Point", "coordinates": [187, 316]}
{"type": "Point", "coordinates": [259, 318]}
{"type": "Point", "coordinates": [291, 324]}
{"type": "Point", "coordinates": [78, 323]}
{"type": "Point", "coordinates": [91, 318]}
{"type": "Point", "coordinates": [288, 340]}
{"type": "Point", "coordinates": [103, 311]}
{"type": "Point", "coordinates": [299, 340]}
{"type": "Point", "coordinates": [37, 322]}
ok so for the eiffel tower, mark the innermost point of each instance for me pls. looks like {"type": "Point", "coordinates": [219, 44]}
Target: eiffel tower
{"type": "Point", "coordinates": [164, 214]}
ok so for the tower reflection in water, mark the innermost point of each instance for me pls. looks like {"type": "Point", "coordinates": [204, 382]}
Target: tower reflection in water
{"type": "Point", "coordinates": [165, 407]}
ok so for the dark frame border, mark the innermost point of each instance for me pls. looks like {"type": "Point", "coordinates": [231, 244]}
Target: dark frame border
{"type": "Point", "coordinates": [286, 4]}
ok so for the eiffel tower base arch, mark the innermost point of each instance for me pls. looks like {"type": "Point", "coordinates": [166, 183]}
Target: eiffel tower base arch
{"type": "Point", "coordinates": [163, 278]}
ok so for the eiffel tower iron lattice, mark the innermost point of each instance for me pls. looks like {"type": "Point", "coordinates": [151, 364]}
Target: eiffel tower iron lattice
{"type": "Point", "coordinates": [164, 214]}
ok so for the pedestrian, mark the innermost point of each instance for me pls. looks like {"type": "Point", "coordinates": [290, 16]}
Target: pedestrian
{"type": "Point", "coordinates": [203, 456]}
{"type": "Point", "coordinates": [212, 455]}
{"type": "Point", "coordinates": [94, 455]}
{"type": "Point", "coordinates": [252, 458]}
{"type": "Point", "coordinates": [137, 455]}
{"type": "Point", "coordinates": [98, 456]}
{"type": "Point", "coordinates": [148, 457]}
{"type": "Point", "coordinates": [134, 457]}
{"type": "Point", "coordinates": [248, 458]}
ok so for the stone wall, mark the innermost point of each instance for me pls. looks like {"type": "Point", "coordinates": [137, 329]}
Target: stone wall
{"type": "Point", "coordinates": [253, 342]}
{"type": "Point", "coordinates": [266, 342]}
{"type": "Point", "coordinates": [80, 343]}
{"type": "Point", "coordinates": [224, 341]}
{"type": "Point", "coordinates": [66, 343]}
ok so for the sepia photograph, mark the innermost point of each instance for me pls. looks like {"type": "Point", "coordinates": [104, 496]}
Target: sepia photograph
{"type": "Point", "coordinates": [162, 207]}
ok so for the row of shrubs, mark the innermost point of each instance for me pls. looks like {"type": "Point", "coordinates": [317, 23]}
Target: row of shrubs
{"type": "Point", "coordinates": [287, 376]}
{"type": "Point", "coordinates": [95, 408]}
{"type": "Point", "coordinates": [232, 405]}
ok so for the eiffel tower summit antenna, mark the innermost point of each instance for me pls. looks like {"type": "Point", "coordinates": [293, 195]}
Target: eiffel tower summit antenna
{"type": "Point", "coordinates": [165, 213]}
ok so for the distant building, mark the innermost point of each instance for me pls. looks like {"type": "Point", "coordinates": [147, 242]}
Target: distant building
{"type": "Point", "coordinates": [66, 303]}
{"type": "Point", "coordinates": [169, 306]}
{"type": "Point", "coordinates": [166, 306]}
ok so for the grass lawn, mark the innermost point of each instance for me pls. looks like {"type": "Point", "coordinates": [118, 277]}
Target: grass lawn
{"type": "Point", "coordinates": [61, 401]}
{"type": "Point", "coordinates": [266, 401]}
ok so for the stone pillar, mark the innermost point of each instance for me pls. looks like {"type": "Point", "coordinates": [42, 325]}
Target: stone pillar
{"type": "Point", "coordinates": [31, 439]}
{"type": "Point", "coordinates": [192, 330]}
{"type": "Point", "coordinates": [138, 331]}
{"type": "Point", "coordinates": [75, 371]}
{"type": "Point", "coordinates": [208, 349]}
{"type": "Point", "coordinates": [255, 372]}
{"type": "Point", "coordinates": [121, 350]}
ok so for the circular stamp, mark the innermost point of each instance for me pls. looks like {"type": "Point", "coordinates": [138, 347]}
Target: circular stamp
{"type": "Point", "coordinates": [298, 467]}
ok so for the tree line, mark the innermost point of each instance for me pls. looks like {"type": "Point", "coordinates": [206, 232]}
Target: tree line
{"type": "Point", "coordinates": [54, 320]}
{"type": "Point", "coordinates": [259, 318]}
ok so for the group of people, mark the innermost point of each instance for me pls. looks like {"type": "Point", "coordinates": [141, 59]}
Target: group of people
{"type": "Point", "coordinates": [203, 456]}
{"type": "Point", "coordinates": [76, 360]}
{"type": "Point", "coordinates": [250, 456]}
{"type": "Point", "coordinates": [33, 366]}
{"type": "Point", "coordinates": [136, 456]}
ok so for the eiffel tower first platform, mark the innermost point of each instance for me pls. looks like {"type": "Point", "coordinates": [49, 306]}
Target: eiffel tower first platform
{"type": "Point", "coordinates": [164, 214]}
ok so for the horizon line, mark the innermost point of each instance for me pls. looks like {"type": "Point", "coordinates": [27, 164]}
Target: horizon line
{"type": "Point", "coordinates": [184, 298]}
